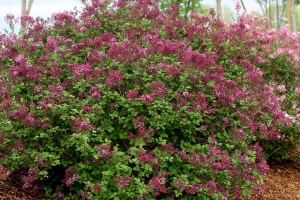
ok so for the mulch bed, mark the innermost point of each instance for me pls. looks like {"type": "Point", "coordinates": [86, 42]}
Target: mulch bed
{"type": "Point", "coordinates": [281, 183]}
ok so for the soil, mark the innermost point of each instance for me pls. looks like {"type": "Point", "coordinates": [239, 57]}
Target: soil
{"type": "Point", "coordinates": [282, 182]}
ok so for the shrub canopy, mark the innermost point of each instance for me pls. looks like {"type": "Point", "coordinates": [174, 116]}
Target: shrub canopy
{"type": "Point", "coordinates": [123, 101]}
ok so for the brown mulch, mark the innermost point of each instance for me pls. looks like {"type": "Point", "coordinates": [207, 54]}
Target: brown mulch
{"type": "Point", "coordinates": [9, 191]}
{"type": "Point", "coordinates": [281, 183]}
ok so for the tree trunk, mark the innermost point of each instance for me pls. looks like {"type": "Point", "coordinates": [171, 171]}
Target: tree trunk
{"type": "Point", "coordinates": [23, 11]}
{"type": "Point", "coordinates": [29, 6]}
{"type": "Point", "coordinates": [277, 15]}
{"type": "Point", "coordinates": [270, 13]}
{"type": "Point", "coordinates": [243, 5]}
{"type": "Point", "coordinates": [288, 13]}
{"type": "Point", "coordinates": [293, 17]}
{"type": "Point", "coordinates": [260, 3]}
{"type": "Point", "coordinates": [219, 10]}
{"type": "Point", "coordinates": [193, 6]}
{"type": "Point", "coordinates": [281, 18]}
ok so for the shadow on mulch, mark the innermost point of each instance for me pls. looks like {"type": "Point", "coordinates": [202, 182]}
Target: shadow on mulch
{"type": "Point", "coordinates": [282, 182]}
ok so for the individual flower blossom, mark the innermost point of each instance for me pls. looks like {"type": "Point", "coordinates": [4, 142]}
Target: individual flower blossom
{"type": "Point", "coordinates": [11, 20]}
{"type": "Point", "coordinates": [80, 69]}
{"type": "Point", "coordinates": [40, 160]}
{"type": "Point", "coordinates": [143, 52]}
{"type": "Point", "coordinates": [238, 5]}
{"type": "Point", "coordinates": [81, 124]}
{"type": "Point", "coordinates": [237, 192]}
{"type": "Point", "coordinates": [183, 154]}
{"type": "Point", "coordinates": [281, 88]}
{"type": "Point", "coordinates": [81, 28]}
{"type": "Point", "coordinates": [162, 65]}
{"type": "Point", "coordinates": [141, 129]}
{"type": "Point", "coordinates": [158, 88]}
{"type": "Point", "coordinates": [6, 103]}
{"type": "Point", "coordinates": [169, 147]}
{"type": "Point", "coordinates": [5, 91]}
{"type": "Point", "coordinates": [152, 70]}
{"type": "Point", "coordinates": [226, 121]}
{"type": "Point", "coordinates": [21, 59]}
{"type": "Point", "coordinates": [51, 44]}
{"type": "Point", "coordinates": [173, 71]}
{"type": "Point", "coordinates": [143, 157]}
{"type": "Point", "coordinates": [77, 47]}
{"type": "Point", "coordinates": [238, 134]}
{"type": "Point", "coordinates": [147, 98]}
{"type": "Point", "coordinates": [19, 144]}
{"type": "Point", "coordinates": [95, 92]}
{"type": "Point", "coordinates": [84, 195]}
{"type": "Point", "coordinates": [188, 95]}
{"type": "Point", "coordinates": [56, 90]}
{"type": "Point", "coordinates": [70, 177]}
{"type": "Point", "coordinates": [263, 166]}
{"type": "Point", "coordinates": [158, 183]}
{"type": "Point", "coordinates": [126, 51]}
{"type": "Point", "coordinates": [97, 187]}
{"type": "Point", "coordinates": [281, 98]}
{"type": "Point", "coordinates": [297, 90]}
{"type": "Point", "coordinates": [105, 150]}
{"type": "Point", "coordinates": [179, 184]}
{"type": "Point", "coordinates": [212, 187]}
{"type": "Point", "coordinates": [84, 125]}
{"type": "Point", "coordinates": [193, 189]}
{"type": "Point", "coordinates": [60, 195]}
{"type": "Point", "coordinates": [114, 78]}
{"type": "Point", "coordinates": [278, 52]}
{"type": "Point", "coordinates": [37, 89]}
{"type": "Point", "coordinates": [122, 182]}
{"type": "Point", "coordinates": [132, 94]}
{"type": "Point", "coordinates": [26, 20]}
{"type": "Point", "coordinates": [260, 189]}
{"type": "Point", "coordinates": [87, 108]}
{"type": "Point", "coordinates": [29, 179]}
{"type": "Point", "coordinates": [4, 173]}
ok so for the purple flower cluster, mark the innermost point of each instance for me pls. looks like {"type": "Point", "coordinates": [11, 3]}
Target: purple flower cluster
{"type": "Point", "coordinates": [70, 177]}
{"type": "Point", "coordinates": [122, 182]}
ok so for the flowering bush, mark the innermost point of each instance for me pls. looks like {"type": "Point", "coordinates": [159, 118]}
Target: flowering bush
{"type": "Point", "coordinates": [124, 101]}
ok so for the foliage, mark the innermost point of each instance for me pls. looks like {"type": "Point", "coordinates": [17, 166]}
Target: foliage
{"type": "Point", "coordinates": [122, 101]}
{"type": "Point", "coordinates": [185, 6]}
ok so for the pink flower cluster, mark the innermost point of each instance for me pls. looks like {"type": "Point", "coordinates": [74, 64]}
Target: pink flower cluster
{"type": "Point", "coordinates": [122, 182]}
{"type": "Point", "coordinates": [158, 183]}
{"type": "Point", "coordinates": [29, 179]}
{"type": "Point", "coordinates": [105, 150]}
{"type": "Point", "coordinates": [70, 177]}
{"type": "Point", "coordinates": [139, 122]}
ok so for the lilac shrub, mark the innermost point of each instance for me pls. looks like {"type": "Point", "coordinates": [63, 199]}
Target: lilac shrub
{"type": "Point", "coordinates": [120, 100]}
{"type": "Point", "coordinates": [277, 55]}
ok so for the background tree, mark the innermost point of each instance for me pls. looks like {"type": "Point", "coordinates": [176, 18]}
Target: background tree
{"type": "Point", "coordinates": [186, 6]}
{"type": "Point", "coordinates": [219, 9]}
{"type": "Point", "coordinates": [228, 14]}
{"type": "Point", "coordinates": [281, 13]}
{"type": "Point", "coordinates": [25, 9]}
{"type": "Point", "coordinates": [243, 5]}
{"type": "Point", "coordinates": [291, 14]}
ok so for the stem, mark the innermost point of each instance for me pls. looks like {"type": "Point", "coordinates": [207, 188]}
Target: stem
{"type": "Point", "coordinates": [275, 151]}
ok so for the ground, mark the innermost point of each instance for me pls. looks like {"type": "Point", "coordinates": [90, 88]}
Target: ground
{"type": "Point", "coordinates": [282, 183]}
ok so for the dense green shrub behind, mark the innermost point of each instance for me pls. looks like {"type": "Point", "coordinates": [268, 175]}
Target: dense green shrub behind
{"type": "Point", "coordinates": [122, 101]}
